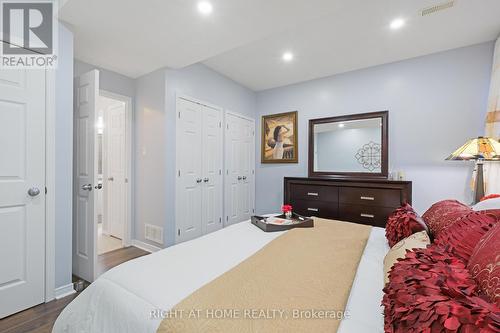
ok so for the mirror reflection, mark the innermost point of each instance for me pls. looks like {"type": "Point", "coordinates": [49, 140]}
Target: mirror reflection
{"type": "Point", "coordinates": [348, 146]}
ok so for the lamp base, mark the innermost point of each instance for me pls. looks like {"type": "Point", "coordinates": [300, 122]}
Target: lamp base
{"type": "Point", "coordinates": [479, 188]}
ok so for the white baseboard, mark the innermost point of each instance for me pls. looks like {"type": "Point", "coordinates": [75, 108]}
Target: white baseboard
{"type": "Point", "coordinates": [145, 246]}
{"type": "Point", "coordinates": [64, 291]}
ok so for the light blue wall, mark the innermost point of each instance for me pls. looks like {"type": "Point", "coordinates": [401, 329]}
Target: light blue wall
{"type": "Point", "coordinates": [64, 158]}
{"type": "Point", "coordinates": [435, 103]}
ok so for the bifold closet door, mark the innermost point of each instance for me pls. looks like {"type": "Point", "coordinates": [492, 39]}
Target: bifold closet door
{"type": "Point", "coordinates": [240, 160]}
{"type": "Point", "coordinates": [212, 170]}
{"type": "Point", "coordinates": [189, 154]}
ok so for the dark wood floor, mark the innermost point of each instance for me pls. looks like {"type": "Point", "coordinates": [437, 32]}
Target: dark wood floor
{"type": "Point", "coordinates": [41, 318]}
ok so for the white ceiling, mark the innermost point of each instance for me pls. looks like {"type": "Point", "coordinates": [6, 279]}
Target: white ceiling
{"type": "Point", "coordinates": [244, 39]}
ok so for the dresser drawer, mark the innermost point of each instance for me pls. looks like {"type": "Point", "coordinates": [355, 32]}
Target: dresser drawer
{"type": "Point", "coordinates": [370, 196]}
{"type": "Point", "coordinates": [314, 192]}
{"type": "Point", "coordinates": [323, 209]}
{"type": "Point", "coordinates": [364, 214]}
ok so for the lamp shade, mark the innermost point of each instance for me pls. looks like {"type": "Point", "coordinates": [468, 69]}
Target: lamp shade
{"type": "Point", "coordinates": [481, 148]}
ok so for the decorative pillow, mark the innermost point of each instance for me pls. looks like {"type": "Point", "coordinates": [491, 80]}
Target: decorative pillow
{"type": "Point", "coordinates": [402, 223]}
{"type": "Point", "coordinates": [487, 204]}
{"type": "Point", "coordinates": [443, 214]}
{"type": "Point", "coordinates": [484, 264]}
{"type": "Point", "coordinates": [432, 291]}
{"type": "Point", "coordinates": [490, 196]}
{"type": "Point", "coordinates": [418, 240]}
{"type": "Point", "coordinates": [464, 235]}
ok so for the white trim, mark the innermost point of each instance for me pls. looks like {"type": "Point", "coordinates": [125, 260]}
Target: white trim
{"type": "Point", "coordinates": [145, 246]}
{"type": "Point", "coordinates": [50, 183]}
{"type": "Point", "coordinates": [64, 291]}
{"type": "Point", "coordinates": [199, 101]}
{"type": "Point", "coordinates": [240, 116]}
{"type": "Point", "coordinates": [127, 239]}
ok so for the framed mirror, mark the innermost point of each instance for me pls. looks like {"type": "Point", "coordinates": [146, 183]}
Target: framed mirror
{"type": "Point", "coordinates": [353, 146]}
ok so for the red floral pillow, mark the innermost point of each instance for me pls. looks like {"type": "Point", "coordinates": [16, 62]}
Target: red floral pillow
{"type": "Point", "coordinates": [432, 291]}
{"type": "Point", "coordinates": [466, 232]}
{"type": "Point", "coordinates": [443, 214]}
{"type": "Point", "coordinates": [402, 223]}
{"type": "Point", "coordinates": [484, 264]}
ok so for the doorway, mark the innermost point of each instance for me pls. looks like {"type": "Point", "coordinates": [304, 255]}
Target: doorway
{"type": "Point", "coordinates": [102, 174]}
{"type": "Point", "coordinates": [112, 172]}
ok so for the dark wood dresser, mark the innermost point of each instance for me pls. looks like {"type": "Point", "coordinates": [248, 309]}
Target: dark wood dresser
{"type": "Point", "coordinates": [365, 201]}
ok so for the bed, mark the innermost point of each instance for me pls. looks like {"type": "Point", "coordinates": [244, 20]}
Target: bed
{"type": "Point", "coordinates": [134, 296]}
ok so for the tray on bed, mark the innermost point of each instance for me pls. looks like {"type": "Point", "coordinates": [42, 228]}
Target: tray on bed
{"type": "Point", "coordinates": [302, 222]}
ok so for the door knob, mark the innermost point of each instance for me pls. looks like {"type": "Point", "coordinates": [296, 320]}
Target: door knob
{"type": "Point", "coordinates": [98, 186]}
{"type": "Point", "coordinates": [34, 191]}
{"type": "Point", "coordinates": [206, 180]}
{"type": "Point", "coordinates": [111, 179]}
{"type": "Point", "coordinates": [244, 177]}
{"type": "Point", "coordinates": [199, 180]}
{"type": "Point", "coordinates": [87, 187]}
{"type": "Point", "coordinates": [240, 178]}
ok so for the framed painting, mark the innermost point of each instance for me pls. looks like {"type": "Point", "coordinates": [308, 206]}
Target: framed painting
{"type": "Point", "coordinates": [279, 138]}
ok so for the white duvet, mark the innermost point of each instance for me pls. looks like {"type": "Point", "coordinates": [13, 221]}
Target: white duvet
{"type": "Point", "coordinates": [124, 298]}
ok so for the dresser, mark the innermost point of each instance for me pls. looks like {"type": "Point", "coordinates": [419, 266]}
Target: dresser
{"type": "Point", "coordinates": [365, 201]}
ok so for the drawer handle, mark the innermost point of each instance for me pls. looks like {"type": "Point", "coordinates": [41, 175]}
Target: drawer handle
{"type": "Point", "coordinates": [312, 194]}
{"type": "Point", "coordinates": [313, 209]}
{"type": "Point", "coordinates": [368, 215]}
{"type": "Point", "coordinates": [367, 198]}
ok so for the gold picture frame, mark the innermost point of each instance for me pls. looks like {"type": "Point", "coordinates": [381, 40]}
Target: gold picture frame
{"type": "Point", "coordinates": [279, 140]}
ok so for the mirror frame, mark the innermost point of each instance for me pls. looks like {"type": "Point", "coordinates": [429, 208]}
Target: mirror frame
{"type": "Point", "coordinates": [384, 115]}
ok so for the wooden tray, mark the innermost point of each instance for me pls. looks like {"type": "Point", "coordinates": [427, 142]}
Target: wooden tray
{"type": "Point", "coordinates": [306, 223]}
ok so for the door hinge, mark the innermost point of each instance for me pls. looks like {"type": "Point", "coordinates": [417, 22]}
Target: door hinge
{"type": "Point", "coordinates": [227, 126]}
{"type": "Point", "coordinates": [253, 172]}
{"type": "Point", "coordinates": [227, 218]}
{"type": "Point", "coordinates": [220, 172]}
{"type": "Point", "coordinates": [253, 210]}
{"type": "Point", "coordinates": [179, 115]}
{"type": "Point", "coordinates": [179, 173]}
{"type": "Point", "coordinates": [220, 124]}
{"type": "Point", "coordinates": [45, 190]}
{"type": "Point", "coordinates": [178, 232]}
{"type": "Point", "coordinates": [220, 219]}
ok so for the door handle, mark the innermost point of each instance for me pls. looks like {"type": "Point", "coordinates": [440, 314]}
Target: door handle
{"type": "Point", "coordinates": [98, 186]}
{"type": "Point", "coordinates": [313, 209]}
{"type": "Point", "coordinates": [244, 177]}
{"type": "Point", "coordinates": [240, 178]}
{"type": "Point", "coordinates": [199, 180]}
{"type": "Point", "coordinates": [87, 187]}
{"type": "Point", "coordinates": [206, 180]}
{"type": "Point", "coordinates": [111, 179]}
{"type": "Point", "coordinates": [34, 191]}
{"type": "Point", "coordinates": [367, 198]}
{"type": "Point", "coordinates": [370, 216]}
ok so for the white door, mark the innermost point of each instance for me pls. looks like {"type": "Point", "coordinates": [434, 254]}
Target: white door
{"type": "Point", "coordinates": [233, 140]}
{"type": "Point", "coordinates": [247, 184]}
{"type": "Point", "coordinates": [189, 182]}
{"type": "Point", "coordinates": [84, 214]}
{"type": "Point", "coordinates": [240, 161]}
{"type": "Point", "coordinates": [115, 184]}
{"type": "Point", "coordinates": [212, 151]}
{"type": "Point", "coordinates": [22, 189]}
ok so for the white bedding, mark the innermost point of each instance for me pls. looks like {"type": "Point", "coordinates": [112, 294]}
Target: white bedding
{"type": "Point", "coordinates": [122, 299]}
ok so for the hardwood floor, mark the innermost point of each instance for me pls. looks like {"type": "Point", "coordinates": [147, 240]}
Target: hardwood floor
{"type": "Point", "coordinates": [41, 318]}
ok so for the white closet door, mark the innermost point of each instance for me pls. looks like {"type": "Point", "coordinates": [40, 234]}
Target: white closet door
{"type": "Point", "coordinates": [212, 170]}
{"type": "Point", "coordinates": [233, 169]}
{"type": "Point", "coordinates": [22, 189]}
{"type": "Point", "coordinates": [189, 170]}
{"type": "Point", "coordinates": [247, 169]}
{"type": "Point", "coordinates": [240, 157]}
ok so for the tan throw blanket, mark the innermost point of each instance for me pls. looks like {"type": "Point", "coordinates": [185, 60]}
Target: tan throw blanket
{"type": "Point", "coordinates": [299, 282]}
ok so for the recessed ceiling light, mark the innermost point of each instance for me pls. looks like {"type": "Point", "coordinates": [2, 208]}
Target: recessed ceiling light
{"type": "Point", "coordinates": [341, 125]}
{"type": "Point", "coordinates": [205, 7]}
{"type": "Point", "coordinates": [287, 56]}
{"type": "Point", "coordinates": [397, 23]}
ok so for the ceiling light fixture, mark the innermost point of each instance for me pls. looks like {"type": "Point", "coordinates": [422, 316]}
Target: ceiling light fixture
{"type": "Point", "coordinates": [287, 56]}
{"type": "Point", "coordinates": [341, 125]}
{"type": "Point", "coordinates": [397, 23]}
{"type": "Point", "coordinates": [205, 7]}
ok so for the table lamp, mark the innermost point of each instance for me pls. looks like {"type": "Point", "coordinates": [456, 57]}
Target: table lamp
{"type": "Point", "coordinates": [479, 149]}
